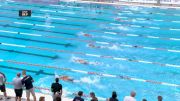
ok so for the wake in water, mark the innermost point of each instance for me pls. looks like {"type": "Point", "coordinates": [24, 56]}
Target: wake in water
{"type": "Point", "coordinates": [84, 62]}
{"type": "Point", "coordinates": [112, 47]}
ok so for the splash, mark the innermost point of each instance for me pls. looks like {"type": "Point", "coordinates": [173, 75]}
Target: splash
{"type": "Point", "coordinates": [90, 80]}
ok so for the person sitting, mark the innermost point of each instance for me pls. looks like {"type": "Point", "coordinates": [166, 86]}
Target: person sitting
{"type": "Point", "coordinates": [131, 97]}
{"type": "Point", "coordinates": [114, 97]}
{"type": "Point", "coordinates": [56, 89]}
{"type": "Point", "coordinates": [93, 96]}
{"type": "Point", "coordinates": [78, 97]}
{"type": "Point", "coordinates": [160, 98]}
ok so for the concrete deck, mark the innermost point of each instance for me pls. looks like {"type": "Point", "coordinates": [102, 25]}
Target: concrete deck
{"type": "Point", "coordinates": [11, 93]}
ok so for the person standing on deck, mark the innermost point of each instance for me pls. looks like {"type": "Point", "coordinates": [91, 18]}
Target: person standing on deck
{"type": "Point", "coordinates": [28, 82]}
{"type": "Point", "coordinates": [56, 89]}
{"type": "Point", "coordinates": [18, 86]}
{"type": "Point", "coordinates": [2, 85]}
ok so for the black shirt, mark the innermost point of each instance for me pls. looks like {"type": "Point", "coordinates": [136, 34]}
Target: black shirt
{"type": "Point", "coordinates": [113, 99]}
{"type": "Point", "coordinates": [94, 99]}
{"type": "Point", "coordinates": [77, 98]}
{"type": "Point", "coordinates": [27, 81]}
{"type": "Point", "coordinates": [56, 87]}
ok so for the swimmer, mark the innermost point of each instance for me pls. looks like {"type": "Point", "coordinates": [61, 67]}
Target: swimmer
{"type": "Point", "coordinates": [87, 35]}
{"type": "Point", "coordinates": [93, 46]}
{"type": "Point", "coordinates": [66, 78]}
{"type": "Point", "coordinates": [81, 61]}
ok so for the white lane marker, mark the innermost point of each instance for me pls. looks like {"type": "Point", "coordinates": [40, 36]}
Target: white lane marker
{"type": "Point", "coordinates": [126, 45]}
{"type": "Point", "coordinates": [154, 27]}
{"type": "Point", "coordinates": [176, 21]}
{"type": "Point", "coordinates": [109, 75]}
{"type": "Point", "coordinates": [49, 17]}
{"type": "Point", "coordinates": [149, 48]}
{"type": "Point", "coordinates": [174, 29]}
{"type": "Point", "coordinates": [8, 32]}
{"type": "Point", "coordinates": [115, 24]}
{"type": "Point", "coordinates": [45, 26]}
{"type": "Point", "coordinates": [23, 23]}
{"type": "Point", "coordinates": [30, 34]}
{"type": "Point", "coordinates": [46, 10]}
{"type": "Point", "coordinates": [106, 43]}
{"type": "Point", "coordinates": [157, 20]}
{"type": "Point", "coordinates": [66, 12]}
{"type": "Point", "coordinates": [15, 45]}
{"type": "Point", "coordinates": [113, 33]}
{"type": "Point", "coordinates": [148, 62]}
{"type": "Point", "coordinates": [79, 71]}
{"type": "Point", "coordinates": [123, 59]}
{"type": "Point", "coordinates": [154, 37]}
{"type": "Point", "coordinates": [1, 60]}
{"type": "Point", "coordinates": [178, 51]}
{"type": "Point", "coordinates": [135, 26]}
{"type": "Point", "coordinates": [176, 39]}
{"type": "Point", "coordinates": [171, 65]}
{"type": "Point", "coordinates": [168, 84]}
{"type": "Point", "coordinates": [136, 79]}
{"type": "Point", "coordinates": [132, 35]}
{"type": "Point", "coordinates": [94, 55]}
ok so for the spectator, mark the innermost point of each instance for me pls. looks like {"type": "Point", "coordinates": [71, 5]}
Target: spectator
{"type": "Point", "coordinates": [56, 88]}
{"type": "Point", "coordinates": [18, 86]}
{"type": "Point", "coordinates": [28, 82]}
{"type": "Point", "coordinates": [93, 96]}
{"type": "Point", "coordinates": [78, 98]}
{"type": "Point", "coordinates": [160, 98]}
{"type": "Point", "coordinates": [2, 85]}
{"type": "Point", "coordinates": [42, 98]}
{"type": "Point", "coordinates": [131, 97]}
{"type": "Point", "coordinates": [58, 98]}
{"type": "Point", "coordinates": [114, 97]}
{"type": "Point", "coordinates": [144, 100]}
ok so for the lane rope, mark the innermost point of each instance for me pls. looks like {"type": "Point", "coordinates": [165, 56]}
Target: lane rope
{"type": "Point", "coordinates": [102, 56]}
{"type": "Point", "coordinates": [92, 73]}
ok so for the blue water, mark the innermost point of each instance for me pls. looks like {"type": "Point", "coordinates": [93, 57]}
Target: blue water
{"type": "Point", "coordinates": [66, 32]}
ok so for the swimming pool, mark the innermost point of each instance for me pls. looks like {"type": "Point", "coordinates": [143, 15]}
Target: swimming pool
{"type": "Point", "coordinates": [123, 48]}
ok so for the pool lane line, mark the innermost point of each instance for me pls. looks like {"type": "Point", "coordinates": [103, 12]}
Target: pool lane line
{"type": "Point", "coordinates": [145, 19]}
{"type": "Point", "coordinates": [113, 33]}
{"type": "Point", "coordinates": [36, 29]}
{"type": "Point", "coordinates": [96, 55]}
{"type": "Point", "coordinates": [133, 46]}
{"type": "Point", "coordinates": [124, 24]}
{"type": "Point", "coordinates": [52, 14]}
{"type": "Point", "coordinates": [27, 53]}
{"type": "Point", "coordinates": [92, 73]}
{"type": "Point", "coordinates": [31, 71]}
{"type": "Point", "coordinates": [39, 41]}
{"type": "Point", "coordinates": [39, 20]}
{"type": "Point", "coordinates": [46, 36]}
{"type": "Point", "coordinates": [124, 11]}
{"type": "Point", "coordinates": [175, 21]}
{"type": "Point", "coordinates": [119, 24]}
{"type": "Point", "coordinates": [98, 42]}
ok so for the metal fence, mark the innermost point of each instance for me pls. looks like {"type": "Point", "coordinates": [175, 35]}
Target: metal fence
{"type": "Point", "coordinates": [174, 2]}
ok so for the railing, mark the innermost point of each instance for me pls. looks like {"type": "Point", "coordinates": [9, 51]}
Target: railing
{"type": "Point", "coordinates": [174, 2]}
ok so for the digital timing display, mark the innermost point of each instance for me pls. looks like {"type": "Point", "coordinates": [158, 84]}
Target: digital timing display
{"type": "Point", "coordinates": [25, 13]}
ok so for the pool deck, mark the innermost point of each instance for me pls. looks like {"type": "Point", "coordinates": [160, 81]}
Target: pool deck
{"type": "Point", "coordinates": [11, 93]}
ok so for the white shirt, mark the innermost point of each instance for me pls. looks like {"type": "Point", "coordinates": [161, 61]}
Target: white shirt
{"type": "Point", "coordinates": [2, 79]}
{"type": "Point", "coordinates": [17, 83]}
{"type": "Point", "coordinates": [129, 98]}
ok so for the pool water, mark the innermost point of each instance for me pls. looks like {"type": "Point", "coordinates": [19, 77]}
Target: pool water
{"type": "Point", "coordinates": [102, 47]}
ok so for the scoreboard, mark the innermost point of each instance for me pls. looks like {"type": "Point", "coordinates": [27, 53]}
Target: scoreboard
{"type": "Point", "coordinates": [25, 13]}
